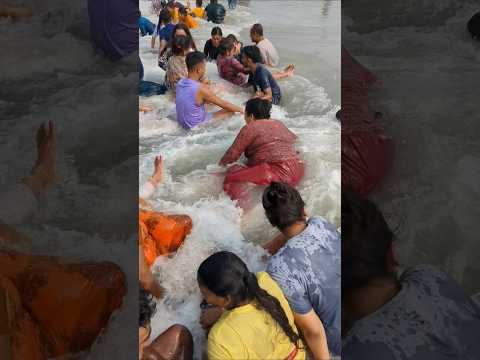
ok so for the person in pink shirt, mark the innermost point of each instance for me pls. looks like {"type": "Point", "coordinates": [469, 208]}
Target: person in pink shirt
{"type": "Point", "coordinates": [269, 147]}
{"type": "Point", "coordinates": [229, 68]}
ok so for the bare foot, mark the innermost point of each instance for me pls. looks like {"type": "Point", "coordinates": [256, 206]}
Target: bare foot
{"type": "Point", "coordinates": [157, 176]}
{"type": "Point", "coordinates": [144, 108]}
{"type": "Point", "coordinates": [44, 168]}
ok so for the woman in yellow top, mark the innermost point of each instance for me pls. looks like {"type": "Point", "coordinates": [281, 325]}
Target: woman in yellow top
{"type": "Point", "coordinates": [198, 11]}
{"type": "Point", "coordinates": [257, 322]}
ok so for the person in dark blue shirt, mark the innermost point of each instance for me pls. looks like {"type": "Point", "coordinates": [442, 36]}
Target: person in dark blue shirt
{"type": "Point", "coordinates": [215, 12]}
{"type": "Point", "coordinates": [264, 84]}
{"type": "Point", "coordinates": [164, 29]}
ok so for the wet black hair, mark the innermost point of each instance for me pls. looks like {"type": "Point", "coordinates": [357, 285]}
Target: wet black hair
{"type": "Point", "coordinates": [216, 31]}
{"type": "Point", "coordinates": [253, 53]}
{"type": "Point", "coordinates": [185, 28]}
{"type": "Point", "coordinates": [225, 274]}
{"type": "Point", "coordinates": [147, 308]}
{"type": "Point", "coordinates": [473, 26]}
{"type": "Point", "coordinates": [232, 37]}
{"type": "Point", "coordinates": [283, 205]}
{"type": "Point", "coordinates": [225, 46]}
{"type": "Point", "coordinates": [257, 29]}
{"type": "Point", "coordinates": [180, 44]}
{"type": "Point", "coordinates": [199, 3]}
{"type": "Point", "coordinates": [183, 11]}
{"type": "Point", "coordinates": [366, 241]}
{"type": "Point", "coordinates": [164, 17]}
{"type": "Point", "coordinates": [193, 59]}
{"type": "Point", "coordinates": [259, 108]}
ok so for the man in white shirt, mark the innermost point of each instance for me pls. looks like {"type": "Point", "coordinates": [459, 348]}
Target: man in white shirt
{"type": "Point", "coordinates": [269, 53]}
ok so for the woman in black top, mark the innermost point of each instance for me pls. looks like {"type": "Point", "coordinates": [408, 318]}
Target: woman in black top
{"type": "Point", "coordinates": [212, 46]}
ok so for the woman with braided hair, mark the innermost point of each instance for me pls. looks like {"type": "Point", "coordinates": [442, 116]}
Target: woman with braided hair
{"type": "Point", "coordinates": [257, 322]}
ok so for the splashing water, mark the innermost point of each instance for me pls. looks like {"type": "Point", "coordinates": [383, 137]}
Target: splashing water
{"type": "Point", "coordinates": [192, 185]}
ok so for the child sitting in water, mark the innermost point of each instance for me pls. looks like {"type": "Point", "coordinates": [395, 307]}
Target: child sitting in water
{"type": "Point", "coordinates": [229, 68]}
{"type": "Point", "coordinates": [212, 46]}
{"type": "Point", "coordinates": [237, 50]}
{"type": "Point", "coordinates": [192, 96]}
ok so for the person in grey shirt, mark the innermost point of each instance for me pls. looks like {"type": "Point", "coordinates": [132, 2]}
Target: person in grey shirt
{"type": "Point", "coordinates": [421, 315]}
{"type": "Point", "coordinates": [307, 268]}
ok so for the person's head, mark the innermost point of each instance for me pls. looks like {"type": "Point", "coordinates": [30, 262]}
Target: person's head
{"type": "Point", "coordinates": [182, 12]}
{"type": "Point", "coordinates": [180, 45]}
{"type": "Point", "coordinates": [237, 44]}
{"type": "Point", "coordinates": [257, 109]}
{"type": "Point", "coordinates": [196, 64]}
{"type": "Point", "coordinates": [199, 3]}
{"type": "Point", "coordinates": [366, 241]}
{"type": "Point", "coordinates": [225, 281]}
{"type": "Point", "coordinates": [147, 310]}
{"type": "Point", "coordinates": [171, 6]}
{"type": "Point", "coordinates": [165, 17]}
{"type": "Point", "coordinates": [283, 205]}
{"type": "Point", "coordinates": [182, 29]}
{"type": "Point", "coordinates": [251, 56]}
{"type": "Point", "coordinates": [217, 36]}
{"type": "Point", "coordinates": [256, 33]}
{"type": "Point", "coordinates": [473, 26]}
{"type": "Point", "coordinates": [226, 47]}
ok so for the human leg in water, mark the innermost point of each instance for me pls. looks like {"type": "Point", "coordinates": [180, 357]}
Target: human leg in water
{"type": "Point", "coordinates": [43, 172]}
{"type": "Point", "coordinates": [20, 202]}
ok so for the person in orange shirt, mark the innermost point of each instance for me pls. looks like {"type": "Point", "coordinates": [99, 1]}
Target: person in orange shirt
{"type": "Point", "coordinates": [186, 18]}
{"type": "Point", "coordinates": [159, 234]}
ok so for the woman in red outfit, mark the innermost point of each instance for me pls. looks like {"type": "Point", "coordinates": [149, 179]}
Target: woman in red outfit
{"type": "Point", "coordinates": [270, 149]}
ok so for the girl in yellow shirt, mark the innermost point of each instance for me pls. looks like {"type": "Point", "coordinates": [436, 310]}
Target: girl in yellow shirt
{"type": "Point", "coordinates": [257, 322]}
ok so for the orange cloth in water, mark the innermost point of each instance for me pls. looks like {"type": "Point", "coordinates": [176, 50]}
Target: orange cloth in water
{"type": "Point", "coordinates": [64, 305]}
{"type": "Point", "coordinates": [162, 234]}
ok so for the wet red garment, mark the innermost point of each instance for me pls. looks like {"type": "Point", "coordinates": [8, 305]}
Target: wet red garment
{"type": "Point", "coordinates": [367, 152]}
{"type": "Point", "coordinates": [270, 149]}
{"type": "Point", "coordinates": [262, 141]}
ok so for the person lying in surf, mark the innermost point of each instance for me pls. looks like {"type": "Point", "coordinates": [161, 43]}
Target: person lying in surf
{"type": "Point", "coordinates": [159, 234]}
{"type": "Point", "coordinates": [175, 343]}
{"type": "Point", "coordinates": [192, 96]}
{"type": "Point", "coordinates": [269, 147]}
